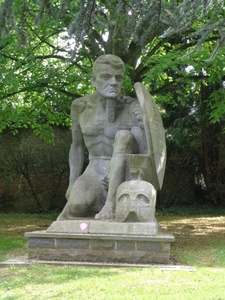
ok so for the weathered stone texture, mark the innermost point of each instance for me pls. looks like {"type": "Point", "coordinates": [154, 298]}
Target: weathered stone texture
{"type": "Point", "coordinates": [70, 243]}
{"type": "Point", "coordinates": [100, 248]}
{"type": "Point", "coordinates": [40, 243]}
{"type": "Point", "coordinates": [126, 245]}
{"type": "Point", "coordinates": [102, 245]}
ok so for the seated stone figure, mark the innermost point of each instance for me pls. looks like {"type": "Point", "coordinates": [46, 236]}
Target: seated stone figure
{"type": "Point", "coordinates": [110, 126]}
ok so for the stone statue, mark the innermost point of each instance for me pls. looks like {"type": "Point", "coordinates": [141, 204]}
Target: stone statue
{"type": "Point", "coordinates": [118, 133]}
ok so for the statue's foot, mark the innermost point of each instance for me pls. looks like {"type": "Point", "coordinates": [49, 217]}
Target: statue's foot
{"type": "Point", "coordinates": [107, 212]}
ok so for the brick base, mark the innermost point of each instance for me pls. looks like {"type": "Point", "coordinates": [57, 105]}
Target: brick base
{"type": "Point", "coordinates": [104, 248]}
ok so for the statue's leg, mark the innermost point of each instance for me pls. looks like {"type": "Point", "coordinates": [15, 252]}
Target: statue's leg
{"type": "Point", "coordinates": [86, 190]}
{"type": "Point", "coordinates": [124, 143]}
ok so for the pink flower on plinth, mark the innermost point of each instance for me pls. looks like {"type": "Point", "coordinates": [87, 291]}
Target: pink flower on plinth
{"type": "Point", "coordinates": [83, 226]}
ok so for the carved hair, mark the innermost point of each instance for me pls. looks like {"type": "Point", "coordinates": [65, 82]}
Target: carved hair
{"type": "Point", "coordinates": [109, 59]}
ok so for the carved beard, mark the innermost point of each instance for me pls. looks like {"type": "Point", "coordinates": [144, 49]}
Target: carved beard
{"type": "Point", "coordinates": [111, 110]}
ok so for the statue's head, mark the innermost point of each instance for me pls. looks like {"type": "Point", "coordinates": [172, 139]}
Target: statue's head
{"type": "Point", "coordinates": [107, 76]}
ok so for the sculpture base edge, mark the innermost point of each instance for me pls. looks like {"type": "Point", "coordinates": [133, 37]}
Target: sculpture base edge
{"type": "Point", "coordinates": [99, 247]}
{"type": "Point", "coordinates": [87, 226]}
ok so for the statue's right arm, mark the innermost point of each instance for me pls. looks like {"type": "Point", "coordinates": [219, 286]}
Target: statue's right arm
{"type": "Point", "coordinates": [76, 154]}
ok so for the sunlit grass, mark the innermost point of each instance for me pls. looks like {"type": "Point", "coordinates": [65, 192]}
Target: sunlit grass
{"type": "Point", "coordinates": [12, 229]}
{"type": "Point", "coordinates": [11, 246]}
{"type": "Point", "coordinates": [200, 242]}
{"type": "Point", "coordinates": [45, 282]}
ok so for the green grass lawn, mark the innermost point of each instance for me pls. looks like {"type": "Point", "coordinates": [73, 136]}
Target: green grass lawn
{"type": "Point", "coordinates": [51, 282]}
{"type": "Point", "coordinates": [200, 243]}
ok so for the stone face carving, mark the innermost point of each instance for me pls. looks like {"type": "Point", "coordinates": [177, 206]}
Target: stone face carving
{"type": "Point", "coordinates": [119, 133]}
{"type": "Point", "coordinates": [135, 202]}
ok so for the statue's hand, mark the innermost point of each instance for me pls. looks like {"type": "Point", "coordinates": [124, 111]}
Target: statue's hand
{"type": "Point", "coordinates": [139, 114]}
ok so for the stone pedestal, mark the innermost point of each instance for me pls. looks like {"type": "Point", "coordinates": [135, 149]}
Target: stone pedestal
{"type": "Point", "coordinates": [98, 241]}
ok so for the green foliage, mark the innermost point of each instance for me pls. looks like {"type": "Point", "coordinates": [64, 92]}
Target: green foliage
{"type": "Point", "coordinates": [175, 48]}
{"type": "Point", "coordinates": [43, 67]}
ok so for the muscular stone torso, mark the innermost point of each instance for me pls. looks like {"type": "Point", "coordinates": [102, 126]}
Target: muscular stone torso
{"type": "Point", "coordinates": [98, 132]}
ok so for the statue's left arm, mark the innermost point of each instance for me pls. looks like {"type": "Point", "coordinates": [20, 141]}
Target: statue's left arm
{"type": "Point", "coordinates": [138, 130]}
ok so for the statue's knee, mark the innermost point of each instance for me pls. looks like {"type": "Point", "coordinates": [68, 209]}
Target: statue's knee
{"type": "Point", "coordinates": [123, 137]}
{"type": "Point", "coordinates": [125, 142]}
{"type": "Point", "coordinates": [75, 209]}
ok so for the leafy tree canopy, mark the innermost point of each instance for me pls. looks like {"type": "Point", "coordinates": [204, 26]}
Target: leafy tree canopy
{"type": "Point", "coordinates": [47, 49]}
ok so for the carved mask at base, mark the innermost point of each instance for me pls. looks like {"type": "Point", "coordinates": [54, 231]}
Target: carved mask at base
{"type": "Point", "coordinates": [135, 202]}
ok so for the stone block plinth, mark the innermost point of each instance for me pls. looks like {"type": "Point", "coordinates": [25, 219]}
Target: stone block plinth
{"type": "Point", "coordinates": [99, 247]}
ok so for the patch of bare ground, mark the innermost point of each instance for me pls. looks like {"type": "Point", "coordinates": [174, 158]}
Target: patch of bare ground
{"type": "Point", "coordinates": [194, 235]}
{"type": "Point", "coordinates": [17, 226]}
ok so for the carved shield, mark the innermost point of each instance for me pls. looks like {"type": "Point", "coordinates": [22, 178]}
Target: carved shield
{"type": "Point", "coordinates": [155, 136]}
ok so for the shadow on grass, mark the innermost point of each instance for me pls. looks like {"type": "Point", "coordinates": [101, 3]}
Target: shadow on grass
{"type": "Point", "coordinates": [198, 240]}
{"type": "Point", "coordinates": [62, 274]}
